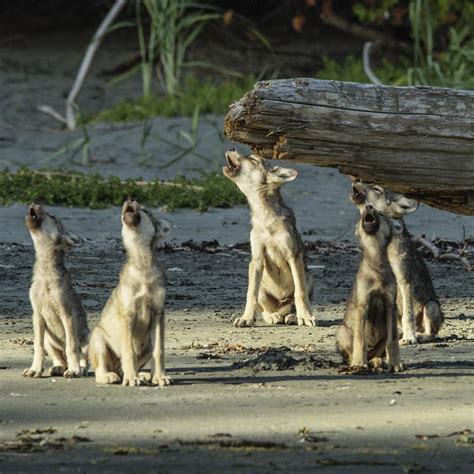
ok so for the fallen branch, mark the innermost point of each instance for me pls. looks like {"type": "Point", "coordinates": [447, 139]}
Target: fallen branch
{"type": "Point", "coordinates": [70, 118]}
{"type": "Point", "coordinates": [429, 245]}
{"type": "Point", "coordinates": [443, 250]}
{"type": "Point", "coordinates": [455, 256]}
{"type": "Point", "coordinates": [46, 109]}
{"type": "Point", "coordinates": [87, 60]}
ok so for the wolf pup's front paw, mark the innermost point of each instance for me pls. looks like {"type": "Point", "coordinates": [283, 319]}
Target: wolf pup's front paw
{"type": "Point", "coordinates": [73, 373]}
{"type": "Point", "coordinates": [131, 380]}
{"type": "Point", "coordinates": [32, 372]}
{"type": "Point", "coordinates": [307, 320]}
{"type": "Point", "coordinates": [161, 380]}
{"type": "Point", "coordinates": [107, 378]}
{"type": "Point", "coordinates": [359, 369]}
{"type": "Point", "coordinates": [376, 364]}
{"type": "Point", "coordinates": [421, 337]}
{"type": "Point", "coordinates": [145, 377]}
{"type": "Point", "coordinates": [243, 322]}
{"type": "Point", "coordinates": [408, 340]}
{"type": "Point", "coordinates": [272, 318]}
{"type": "Point", "coordinates": [291, 319]}
{"type": "Point", "coordinates": [56, 371]}
{"type": "Point", "coordinates": [396, 367]}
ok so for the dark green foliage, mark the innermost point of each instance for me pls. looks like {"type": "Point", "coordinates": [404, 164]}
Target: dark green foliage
{"type": "Point", "coordinates": [207, 95]}
{"type": "Point", "coordinates": [97, 192]}
{"type": "Point", "coordinates": [351, 69]}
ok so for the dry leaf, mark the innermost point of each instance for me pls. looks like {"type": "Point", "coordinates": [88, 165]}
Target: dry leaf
{"type": "Point", "coordinates": [228, 17]}
{"type": "Point", "coordinates": [298, 23]}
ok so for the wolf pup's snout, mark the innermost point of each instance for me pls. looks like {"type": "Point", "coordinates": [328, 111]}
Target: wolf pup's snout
{"type": "Point", "coordinates": [232, 168]}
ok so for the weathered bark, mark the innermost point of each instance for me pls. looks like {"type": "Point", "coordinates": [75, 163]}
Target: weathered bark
{"type": "Point", "coordinates": [418, 141]}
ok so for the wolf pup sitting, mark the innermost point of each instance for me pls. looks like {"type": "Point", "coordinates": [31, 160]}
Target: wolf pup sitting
{"type": "Point", "coordinates": [419, 311]}
{"type": "Point", "coordinates": [279, 283]}
{"type": "Point", "coordinates": [369, 330]}
{"type": "Point", "coordinates": [132, 326]}
{"type": "Point", "coordinates": [59, 320]}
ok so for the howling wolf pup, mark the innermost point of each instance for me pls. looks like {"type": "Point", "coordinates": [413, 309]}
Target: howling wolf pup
{"type": "Point", "coordinates": [420, 314]}
{"type": "Point", "coordinates": [280, 284]}
{"type": "Point", "coordinates": [59, 320]}
{"type": "Point", "coordinates": [132, 326]}
{"type": "Point", "coordinates": [369, 329]}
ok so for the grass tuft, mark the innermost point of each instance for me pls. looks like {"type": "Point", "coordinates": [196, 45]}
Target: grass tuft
{"type": "Point", "coordinates": [97, 192]}
{"type": "Point", "coordinates": [351, 69]}
{"type": "Point", "coordinates": [208, 96]}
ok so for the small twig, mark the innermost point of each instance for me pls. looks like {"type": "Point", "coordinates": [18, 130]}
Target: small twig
{"type": "Point", "coordinates": [46, 109]}
{"type": "Point", "coordinates": [455, 256]}
{"type": "Point", "coordinates": [366, 63]}
{"type": "Point", "coordinates": [444, 250]}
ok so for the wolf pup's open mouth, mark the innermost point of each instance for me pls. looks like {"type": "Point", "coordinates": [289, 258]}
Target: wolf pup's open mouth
{"type": "Point", "coordinates": [370, 220]}
{"type": "Point", "coordinates": [232, 169]}
{"type": "Point", "coordinates": [128, 208]}
{"type": "Point", "coordinates": [131, 214]}
{"type": "Point", "coordinates": [34, 216]}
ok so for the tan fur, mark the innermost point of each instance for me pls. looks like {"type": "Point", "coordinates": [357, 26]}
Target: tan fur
{"type": "Point", "coordinates": [280, 285]}
{"type": "Point", "coordinates": [59, 320]}
{"type": "Point", "coordinates": [369, 330]}
{"type": "Point", "coordinates": [420, 315]}
{"type": "Point", "coordinates": [132, 325]}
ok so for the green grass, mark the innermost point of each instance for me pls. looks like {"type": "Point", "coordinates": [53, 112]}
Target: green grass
{"type": "Point", "coordinates": [207, 95]}
{"type": "Point", "coordinates": [210, 96]}
{"type": "Point", "coordinates": [97, 192]}
{"type": "Point", "coordinates": [352, 70]}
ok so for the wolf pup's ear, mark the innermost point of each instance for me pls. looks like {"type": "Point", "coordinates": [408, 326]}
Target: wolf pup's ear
{"type": "Point", "coordinates": [401, 205]}
{"type": "Point", "coordinates": [164, 228]}
{"type": "Point", "coordinates": [282, 175]}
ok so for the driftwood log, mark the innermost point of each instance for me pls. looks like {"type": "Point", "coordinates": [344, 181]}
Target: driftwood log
{"type": "Point", "coordinates": [418, 141]}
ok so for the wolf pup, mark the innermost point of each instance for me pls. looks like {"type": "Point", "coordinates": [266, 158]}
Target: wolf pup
{"type": "Point", "coordinates": [280, 284]}
{"type": "Point", "coordinates": [59, 320]}
{"type": "Point", "coordinates": [420, 314]}
{"type": "Point", "coordinates": [369, 330]}
{"type": "Point", "coordinates": [131, 330]}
